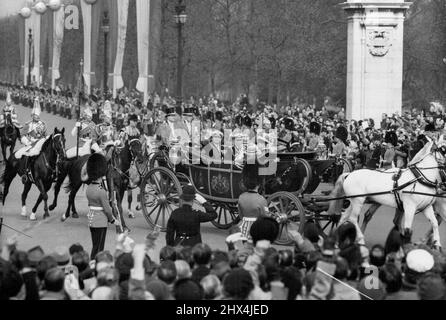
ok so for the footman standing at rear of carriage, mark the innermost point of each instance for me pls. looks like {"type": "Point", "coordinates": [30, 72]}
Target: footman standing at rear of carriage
{"type": "Point", "coordinates": [100, 214]}
{"type": "Point", "coordinates": [183, 226]}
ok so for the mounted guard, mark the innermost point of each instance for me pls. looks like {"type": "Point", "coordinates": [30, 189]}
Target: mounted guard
{"type": "Point", "coordinates": [9, 126]}
{"type": "Point", "coordinates": [34, 136]}
{"type": "Point", "coordinates": [87, 135]}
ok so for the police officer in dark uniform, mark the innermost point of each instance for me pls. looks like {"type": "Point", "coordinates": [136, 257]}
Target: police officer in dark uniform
{"type": "Point", "coordinates": [183, 226]}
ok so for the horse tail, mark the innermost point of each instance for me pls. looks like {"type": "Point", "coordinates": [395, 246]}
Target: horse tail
{"type": "Point", "coordinates": [335, 206]}
{"type": "Point", "coordinates": [7, 177]}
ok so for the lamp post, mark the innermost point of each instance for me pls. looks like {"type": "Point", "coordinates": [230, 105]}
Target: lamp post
{"type": "Point", "coordinates": [180, 19]}
{"type": "Point", "coordinates": [106, 30]}
{"type": "Point", "coordinates": [30, 43]}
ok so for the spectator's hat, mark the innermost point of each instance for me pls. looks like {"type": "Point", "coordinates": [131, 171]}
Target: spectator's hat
{"type": "Point", "coordinates": [35, 255]}
{"type": "Point", "coordinates": [315, 128]}
{"type": "Point", "coordinates": [62, 255]}
{"type": "Point", "coordinates": [419, 261]}
{"type": "Point", "coordinates": [188, 193]}
{"type": "Point", "coordinates": [342, 134]}
{"type": "Point", "coordinates": [96, 166]}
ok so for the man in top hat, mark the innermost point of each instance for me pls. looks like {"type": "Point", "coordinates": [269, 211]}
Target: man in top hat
{"type": "Point", "coordinates": [9, 110]}
{"type": "Point", "coordinates": [87, 134]}
{"type": "Point", "coordinates": [183, 226]}
{"type": "Point", "coordinates": [33, 137]}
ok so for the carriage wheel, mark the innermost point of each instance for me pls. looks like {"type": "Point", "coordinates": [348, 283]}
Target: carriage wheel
{"type": "Point", "coordinates": [160, 192]}
{"type": "Point", "coordinates": [327, 223]}
{"type": "Point", "coordinates": [159, 159]}
{"type": "Point", "coordinates": [285, 207]}
{"type": "Point", "coordinates": [308, 176]}
{"type": "Point", "coordinates": [226, 216]}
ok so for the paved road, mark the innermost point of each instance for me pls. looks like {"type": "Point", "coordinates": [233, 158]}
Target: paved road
{"type": "Point", "coordinates": [52, 232]}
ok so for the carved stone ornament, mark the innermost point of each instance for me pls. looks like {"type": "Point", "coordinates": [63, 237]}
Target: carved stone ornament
{"type": "Point", "coordinates": [379, 42]}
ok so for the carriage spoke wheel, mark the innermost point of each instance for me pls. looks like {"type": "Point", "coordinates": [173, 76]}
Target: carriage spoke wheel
{"type": "Point", "coordinates": [160, 192]}
{"type": "Point", "coordinates": [226, 216]}
{"type": "Point", "coordinates": [286, 208]}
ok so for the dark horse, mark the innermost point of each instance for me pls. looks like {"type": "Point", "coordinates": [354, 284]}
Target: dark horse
{"type": "Point", "coordinates": [43, 168]}
{"type": "Point", "coordinates": [117, 178]}
{"type": "Point", "coordinates": [8, 136]}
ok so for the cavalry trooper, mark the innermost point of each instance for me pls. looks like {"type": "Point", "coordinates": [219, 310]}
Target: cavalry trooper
{"type": "Point", "coordinates": [87, 134]}
{"type": "Point", "coordinates": [9, 110]}
{"type": "Point", "coordinates": [33, 137]}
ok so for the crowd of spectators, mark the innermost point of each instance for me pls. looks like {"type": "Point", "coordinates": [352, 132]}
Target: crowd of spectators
{"type": "Point", "coordinates": [334, 268]}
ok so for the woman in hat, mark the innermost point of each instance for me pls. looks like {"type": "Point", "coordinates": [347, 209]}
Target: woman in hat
{"type": "Point", "coordinates": [183, 226]}
{"type": "Point", "coordinates": [101, 213]}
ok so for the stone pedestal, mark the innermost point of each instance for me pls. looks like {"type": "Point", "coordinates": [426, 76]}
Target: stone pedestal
{"type": "Point", "coordinates": [375, 57]}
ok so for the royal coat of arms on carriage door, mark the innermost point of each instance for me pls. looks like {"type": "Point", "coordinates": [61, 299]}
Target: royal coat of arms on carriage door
{"type": "Point", "coordinates": [220, 184]}
{"type": "Point", "coordinates": [379, 42]}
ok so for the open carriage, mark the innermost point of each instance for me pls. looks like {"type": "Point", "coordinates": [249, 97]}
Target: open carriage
{"type": "Point", "coordinates": [288, 191]}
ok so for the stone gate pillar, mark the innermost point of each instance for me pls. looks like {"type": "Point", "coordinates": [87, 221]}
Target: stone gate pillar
{"type": "Point", "coordinates": [374, 57]}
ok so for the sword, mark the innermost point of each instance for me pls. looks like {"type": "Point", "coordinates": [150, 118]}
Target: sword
{"type": "Point", "coordinates": [7, 226]}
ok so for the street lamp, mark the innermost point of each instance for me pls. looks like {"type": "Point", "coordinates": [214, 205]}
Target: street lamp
{"type": "Point", "coordinates": [105, 30]}
{"type": "Point", "coordinates": [180, 19]}
{"type": "Point", "coordinates": [30, 43]}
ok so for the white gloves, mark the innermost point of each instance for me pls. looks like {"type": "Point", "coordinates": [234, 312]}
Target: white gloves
{"type": "Point", "coordinates": [78, 124]}
{"type": "Point", "coordinates": [200, 198]}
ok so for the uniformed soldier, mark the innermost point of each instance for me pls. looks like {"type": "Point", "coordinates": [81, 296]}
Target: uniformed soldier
{"type": "Point", "coordinates": [87, 134]}
{"type": "Point", "coordinates": [9, 110]}
{"type": "Point", "coordinates": [101, 213]}
{"type": "Point", "coordinates": [33, 137]}
{"type": "Point", "coordinates": [183, 226]}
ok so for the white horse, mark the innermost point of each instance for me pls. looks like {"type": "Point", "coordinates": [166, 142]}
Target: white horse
{"type": "Point", "coordinates": [369, 183]}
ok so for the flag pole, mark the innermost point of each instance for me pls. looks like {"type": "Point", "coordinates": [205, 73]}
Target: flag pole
{"type": "Point", "coordinates": [81, 89]}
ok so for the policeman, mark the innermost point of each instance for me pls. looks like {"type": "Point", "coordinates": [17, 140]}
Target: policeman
{"type": "Point", "coordinates": [183, 226]}
{"type": "Point", "coordinates": [33, 137]}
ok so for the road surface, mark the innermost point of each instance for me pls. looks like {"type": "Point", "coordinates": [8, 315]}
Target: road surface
{"type": "Point", "coordinates": [52, 232]}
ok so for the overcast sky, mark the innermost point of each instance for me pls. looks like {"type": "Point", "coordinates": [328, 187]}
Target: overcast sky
{"type": "Point", "coordinates": [8, 7]}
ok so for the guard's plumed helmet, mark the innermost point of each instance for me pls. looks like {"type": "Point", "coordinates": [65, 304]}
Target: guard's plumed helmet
{"type": "Point", "coordinates": [36, 108]}
{"type": "Point", "coordinates": [289, 124]}
{"type": "Point", "coordinates": [8, 99]}
{"type": "Point", "coordinates": [96, 166]}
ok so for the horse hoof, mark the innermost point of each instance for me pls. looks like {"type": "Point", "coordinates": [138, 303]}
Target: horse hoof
{"type": "Point", "coordinates": [131, 215]}
{"type": "Point", "coordinates": [75, 215]}
{"type": "Point", "coordinates": [126, 230]}
{"type": "Point", "coordinates": [138, 207]}
{"type": "Point", "coordinates": [33, 217]}
{"type": "Point", "coordinates": [46, 215]}
{"type": "Point", "coordinates": [52, 207]}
